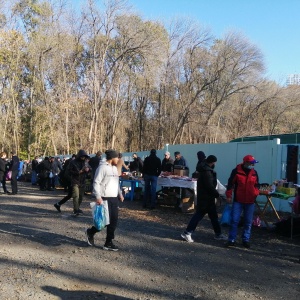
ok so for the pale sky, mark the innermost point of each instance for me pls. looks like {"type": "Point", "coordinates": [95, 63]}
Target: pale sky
{"type": "Point", "coordinates": [272, 25]}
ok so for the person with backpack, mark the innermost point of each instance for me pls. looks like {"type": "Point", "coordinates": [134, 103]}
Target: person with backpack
{"type": "Point", "coordinates": [79, 169]}
{"type": "Point", "coordinates": [65, 175]}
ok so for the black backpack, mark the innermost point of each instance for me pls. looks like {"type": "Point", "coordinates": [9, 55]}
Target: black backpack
{"type": "Point", "coordinates": [67, 172]}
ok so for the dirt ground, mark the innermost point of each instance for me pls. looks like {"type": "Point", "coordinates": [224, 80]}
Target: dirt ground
{"type": "Point", "coordinates": [44, 255]}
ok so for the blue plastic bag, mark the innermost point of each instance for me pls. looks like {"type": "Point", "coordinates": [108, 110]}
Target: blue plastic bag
{"type": "Point", "coordinates": [100, 215]}
{"type": "Point", "coordinates": [226, 215]}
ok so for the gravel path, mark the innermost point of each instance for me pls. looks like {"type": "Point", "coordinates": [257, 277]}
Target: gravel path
{"type": "Point", "coordinates": [44, 255]}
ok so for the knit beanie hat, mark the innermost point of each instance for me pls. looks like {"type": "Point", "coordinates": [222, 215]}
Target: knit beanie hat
{"type": "Point", "coordinates": [110, 154]}
{"type": "Point", "coordinates": [201, 156]}
{"type": "Point", "coordinates": [211, 159]}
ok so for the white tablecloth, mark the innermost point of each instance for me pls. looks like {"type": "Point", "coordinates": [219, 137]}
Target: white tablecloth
{"type": "Point", "coordinates": [170, 182]}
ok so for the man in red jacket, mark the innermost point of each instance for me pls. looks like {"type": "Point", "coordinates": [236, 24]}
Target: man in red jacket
{"type": "Point", "coordinates": [244, 182]}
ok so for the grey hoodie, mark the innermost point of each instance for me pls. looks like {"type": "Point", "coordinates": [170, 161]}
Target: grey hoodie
{"type": "Point", "coordinates": [106, 181]}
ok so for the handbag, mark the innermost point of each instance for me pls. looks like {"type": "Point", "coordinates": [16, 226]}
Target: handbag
{"type": "Point", "coordinates": [226, 215]}
{"type": "Point", "coordinates": [220, 188]}
{"type": "Point", "coordinates": [8, 175]}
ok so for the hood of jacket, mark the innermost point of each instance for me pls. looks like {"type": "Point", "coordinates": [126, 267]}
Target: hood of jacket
{"type": "Point", "coordinates": [81, 153]}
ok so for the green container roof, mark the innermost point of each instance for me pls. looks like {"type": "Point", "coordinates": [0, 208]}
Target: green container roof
{"type": "Point", "coordinates": [289, 138]}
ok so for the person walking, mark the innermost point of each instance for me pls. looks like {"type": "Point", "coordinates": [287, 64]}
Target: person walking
{"type": "Point", "coordinates": [244, 184]}
{"type": "Point", "coordinates": [66, 179]}
{"type": "Point", "coordinates": [201, 158]}
{"type": "Point", "coordinates": [151, 171]}
{"type": "Point", "coordinates": [94, 163]}
{"type": "Point", "coordinates": [106, 187]}
{"type": "Point", "coordinates": [79, 169]}
{"type": "Point", "coordinates": [206, 195]}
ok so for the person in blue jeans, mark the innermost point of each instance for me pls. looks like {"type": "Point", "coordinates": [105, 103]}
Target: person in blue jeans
{"type": "Point", "coordinates": [151, 171]}
{"type": "Point", "coordinates": [243, 183]}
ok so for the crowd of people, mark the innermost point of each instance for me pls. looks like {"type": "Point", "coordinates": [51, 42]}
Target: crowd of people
{"type": "Point", "coordinates": [72, 174]}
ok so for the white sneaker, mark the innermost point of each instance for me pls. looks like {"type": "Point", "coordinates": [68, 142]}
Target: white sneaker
{"type": "Point", "coordinates": [221, 236]}
{"type": "Point", "coordinates": [187, 237]}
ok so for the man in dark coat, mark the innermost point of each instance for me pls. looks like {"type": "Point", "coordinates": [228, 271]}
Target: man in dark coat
{"type": "Point", "coordinates": [137, 164]}
{"type": "Point", "coordinates": [206, 195]}
{"type": "Point", "coordinates": [3, 171]}
{"type": "Point", "coordinates": [65, 177]}
{"type": "Point", "coordinates": [14, 168]}
{"type": "Point", "coordinates": [34, 165]}
{"type": "Point", "coordinates": [167, 163]}
{"type": "Point", "coordinates": [94, 162]}
{"type": "Point", "coordinates": [201, 158]}
{"type": "Point", "coordinates": [79, 169]}
{"type": "Point", "coordinates": [151, 171]}
{"type": "Point", "coordinates": [44, 172]}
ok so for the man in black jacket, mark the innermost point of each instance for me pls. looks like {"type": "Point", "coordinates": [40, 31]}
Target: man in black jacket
{"type": "Point", "coordinates": [137, 164]}
{"type": "Point", "coordinates": [167, 163]}
{"type": "Point", "coordinates": [34, 165]}
{"type": "Point", "coordinates": [206, 195]}
{"type": "Point", "coordinates": [44, 172]}
{"type": "Point", "coordinates": [79, 169]}
{"type": "Point", "coordinates": [14, 168]}
{"type": "Point", "coordinates": [151, 170]}
{"type": "Point", "coordinates": [94, 163]}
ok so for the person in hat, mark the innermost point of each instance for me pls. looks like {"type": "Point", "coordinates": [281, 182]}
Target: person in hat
{"type": "Point", "coordinates": [94, 163]}
{"type": "Point", "coordinates": [106, 187]}
{"type": "Point", "coordinates": [167, 163]}
{"type": "Point", "coordinates": [79, 169]}
{"type": "Point", "coordinates": [151, 171]}
{"type": "Point", "coordinates": [244, 184]}
{"type": "Point", "coordinates": [201, 158]}
{"type": "Point", "coordinates": [206, 195]}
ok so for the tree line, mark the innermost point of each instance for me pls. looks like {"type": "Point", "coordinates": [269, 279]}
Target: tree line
{"type": "Point", "coordinates": [101, 76]}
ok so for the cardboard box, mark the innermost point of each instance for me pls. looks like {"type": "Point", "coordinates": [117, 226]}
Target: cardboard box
{"type": "Point", "coordinates": [187, 204]}
{"type": "Point", "coordinates": [289, 191]}
{"type": "Point", "coordinates": [180, 172]}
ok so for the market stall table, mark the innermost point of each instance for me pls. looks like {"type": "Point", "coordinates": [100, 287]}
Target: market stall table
{"type": "Point", "coordinates": [133, 184]}
{"type": "Point", "coordinates": [269, 202]}
{"type": "Point", "coordinates": [178, 182]}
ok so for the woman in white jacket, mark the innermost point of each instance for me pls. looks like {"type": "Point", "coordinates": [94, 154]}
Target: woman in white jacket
{"type": "Point", "coordinates": [106, 187]}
